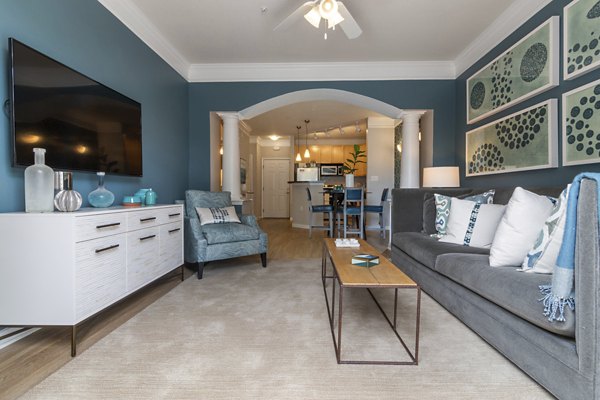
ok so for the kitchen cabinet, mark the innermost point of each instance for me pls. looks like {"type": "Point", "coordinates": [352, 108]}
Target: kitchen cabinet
{"type": "Point", "coordinates": [326, 154]}
{"type": "Point", "coordinates": [337, 154]}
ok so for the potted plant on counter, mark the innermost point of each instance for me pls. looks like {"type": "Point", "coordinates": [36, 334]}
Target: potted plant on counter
{"type": "Point", "coordinates": [349, 166]}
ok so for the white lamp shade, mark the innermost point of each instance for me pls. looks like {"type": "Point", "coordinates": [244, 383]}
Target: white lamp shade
{"type": "Point", "coordinates": [298, 157]}
{"type": "Point", "coordinates": [441, 177]}
{"type": "Point", "coordinates": [334, 20]}
{"type": "Point", "coordinates": [313, 16]}
{"type": "Point", "coordinates": [306, 153]}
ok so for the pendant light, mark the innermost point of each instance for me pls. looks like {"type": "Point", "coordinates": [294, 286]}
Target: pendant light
{"type": "Point", "coordinates": [298, 156]}
{"type": "Point", "coordinates": [306, 152]}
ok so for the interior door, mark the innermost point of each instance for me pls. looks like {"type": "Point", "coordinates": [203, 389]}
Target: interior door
{"type": "Point", "coordinates": [276, 189]}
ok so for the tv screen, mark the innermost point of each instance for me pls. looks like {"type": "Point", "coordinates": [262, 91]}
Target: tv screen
{"type": "Point", "coordinates": [82, 124]}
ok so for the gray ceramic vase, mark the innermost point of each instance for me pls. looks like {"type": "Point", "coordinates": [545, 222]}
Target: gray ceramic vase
{"type": "Point", "coordinates": [68, 200]}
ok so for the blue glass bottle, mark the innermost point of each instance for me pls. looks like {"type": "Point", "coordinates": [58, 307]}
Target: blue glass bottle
{"type": "Point", "coordinates": [151, 197]}
{"type": "Point", "coordinates": [101, 197]}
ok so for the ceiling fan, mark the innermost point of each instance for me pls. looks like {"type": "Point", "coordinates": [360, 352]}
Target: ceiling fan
{"type": "Point", "coordinates": [333, 11]}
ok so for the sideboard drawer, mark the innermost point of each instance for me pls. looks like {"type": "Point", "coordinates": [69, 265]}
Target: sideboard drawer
{"type": "Point", "coordinates": [143, 218]}
{"type": "Point", "coordinates": [171, 214]}
{"type": "Point", "coordinates": [99, 273]}
{"type": "Point", "coordinates": [171, 244]}
{"type": "Point", "coordinates": [96, 226]}
{"type": "Point", "coordinates": [142, 257]}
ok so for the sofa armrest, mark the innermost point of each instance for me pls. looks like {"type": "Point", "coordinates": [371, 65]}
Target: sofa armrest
{"type": "Point", "coordinates": [587, 281]}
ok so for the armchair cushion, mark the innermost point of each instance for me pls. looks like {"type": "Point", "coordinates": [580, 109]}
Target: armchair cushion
{"type": "Point", "coordinates": [229, 232]}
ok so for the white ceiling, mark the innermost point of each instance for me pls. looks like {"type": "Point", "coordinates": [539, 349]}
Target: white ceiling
{"type": "Point", "coordinates": [208, 40]}
{"type": "Point", "coordinates": [323, 115]}
{"type": "Point", "coordinates": [233, 40]}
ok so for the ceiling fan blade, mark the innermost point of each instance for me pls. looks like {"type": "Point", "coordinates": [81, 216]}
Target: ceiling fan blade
{"type": "Point", "coordinates": [296, 15]}
{"type": "Point", "coordinates": [348, 25]}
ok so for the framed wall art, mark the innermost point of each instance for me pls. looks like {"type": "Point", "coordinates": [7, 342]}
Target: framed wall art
{"type": "Point", "coordinates": [523, 71]}
{"type": "Point", "coordinates": [525, 140]}
{"type": "Point", "coordinates": [581, 35]}
{"type": "Point", "coordinates": [581, 125]}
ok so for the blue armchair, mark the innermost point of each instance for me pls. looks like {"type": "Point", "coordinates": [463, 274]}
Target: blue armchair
{"type": "Point", "coordinates": [219, 241]}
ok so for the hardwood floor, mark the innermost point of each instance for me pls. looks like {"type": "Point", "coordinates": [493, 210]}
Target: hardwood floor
{"type": "Point", "coordinates": [30, 360]}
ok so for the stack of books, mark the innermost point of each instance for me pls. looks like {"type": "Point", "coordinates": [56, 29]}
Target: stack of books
{"type": "Point", "coordinates": [365, 260]}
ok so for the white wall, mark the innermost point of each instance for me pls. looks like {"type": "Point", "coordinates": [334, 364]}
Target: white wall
{"type": "Point", "coordinates": [380, 160]}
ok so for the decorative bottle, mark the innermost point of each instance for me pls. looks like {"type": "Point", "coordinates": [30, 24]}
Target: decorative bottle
{"type": "Point", "coordinates": [66, 199]}
{"type": "Point", "coordinates": [39, 184]}
{"type": "Point", "coordinates": [150, 197]}
{"type": "Point", "coordinates": [101, 197]}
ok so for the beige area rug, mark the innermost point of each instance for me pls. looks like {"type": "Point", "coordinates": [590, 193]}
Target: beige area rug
{"type": "Point", "coordinates": [244, 332]}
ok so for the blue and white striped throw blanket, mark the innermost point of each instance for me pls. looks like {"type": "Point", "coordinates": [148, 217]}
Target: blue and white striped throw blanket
{"type": "Point", "coordinates": [560, 293]}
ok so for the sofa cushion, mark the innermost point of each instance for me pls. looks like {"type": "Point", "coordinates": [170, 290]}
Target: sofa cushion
{"type": "Point", "coordinates": [512, 290]}
{"type": "Point", "coordinates": [229, 232]}
{"type": "Point", "coordinates": [426, 249]}
{"type": "Point", "coordinates": [524, 217]}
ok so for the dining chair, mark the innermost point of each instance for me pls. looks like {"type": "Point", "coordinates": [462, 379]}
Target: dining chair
{"type": "Point", "coordinates": [353, 205]}
{"type": "Point", "coordinates": [378, 209]}
{"type": "Point", "coordinates": [319, 208]}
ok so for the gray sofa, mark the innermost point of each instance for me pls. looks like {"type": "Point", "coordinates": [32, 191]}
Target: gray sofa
{"type": "Point", "coordinates": [501, 304]}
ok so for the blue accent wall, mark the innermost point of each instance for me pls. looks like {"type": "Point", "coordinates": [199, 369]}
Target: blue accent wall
{"type": "Point", "coordinates": [438, 95]}
{"type": "Point", "coordinates": [546, 177]}
{"type": "Point", "coordinates": [88, 38]}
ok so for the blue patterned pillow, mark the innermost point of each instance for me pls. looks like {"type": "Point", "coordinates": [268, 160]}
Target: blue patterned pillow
{"type": "Point", "coordinates": [442, 208]}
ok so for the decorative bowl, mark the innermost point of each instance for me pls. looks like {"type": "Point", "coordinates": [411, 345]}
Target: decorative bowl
{"type": "Point", "coordinates": [132, 201]}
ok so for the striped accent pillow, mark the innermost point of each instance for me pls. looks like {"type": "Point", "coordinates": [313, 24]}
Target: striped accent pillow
{"type": "Point", "coordinates": [217, 215]}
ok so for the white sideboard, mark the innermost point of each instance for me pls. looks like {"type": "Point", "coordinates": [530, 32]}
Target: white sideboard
{"type": "Point", "coordinates": [61, 268]}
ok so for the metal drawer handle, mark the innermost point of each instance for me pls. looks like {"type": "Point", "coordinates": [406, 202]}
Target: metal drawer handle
{"type": "Point", "coordinates": [174, 215]}
{"type": "Point", "coordinates": [107, 225]}
{"type": "Point", "coordinates": [174, 230]}
{"type": "Point", "coordinates": [114, 246]}
{"type": "Point", "coordinates": [147, 237]}
{"type": "Point", "coordinates": [147, 219]}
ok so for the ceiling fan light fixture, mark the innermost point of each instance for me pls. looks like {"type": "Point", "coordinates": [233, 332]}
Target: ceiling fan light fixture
{"type": "Point", "coordinates": [313, 16]}
{"type": "Point", "coordinates": [333, 20]}
{"type": "Point", "coordinates": [328, 8]}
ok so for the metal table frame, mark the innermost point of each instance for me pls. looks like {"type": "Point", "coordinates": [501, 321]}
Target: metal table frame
{"type": "Point", "coordinates": [337, 340]}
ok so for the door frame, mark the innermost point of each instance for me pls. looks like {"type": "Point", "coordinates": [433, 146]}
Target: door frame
{"type": "Point", "coordinates": [262, 183]}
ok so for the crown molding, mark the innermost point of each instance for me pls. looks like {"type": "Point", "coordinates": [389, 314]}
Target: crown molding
{"type": "Point", "coordinates": [322, 71]}
{"type": "Point", "coordinates": [508, 22]}
{"type": "Point", "coordinates": [146, 31]}
{"type": "Point", "coordinates": [512, 18]}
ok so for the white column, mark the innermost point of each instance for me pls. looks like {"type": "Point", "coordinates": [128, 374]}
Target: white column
{"type": "Point", "coordinates": [409, 167]}
{"type": "Point", "coordinates": [231, 155]}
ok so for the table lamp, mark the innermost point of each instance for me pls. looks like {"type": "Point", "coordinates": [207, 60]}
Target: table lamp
{"type": "Point", "coordinates": [441, 177]}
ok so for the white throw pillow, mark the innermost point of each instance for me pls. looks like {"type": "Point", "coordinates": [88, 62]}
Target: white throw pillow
{"type": "Point", "coordinates": [541, 258]}
{"type": "Point", "coordinates": [525, 214]}
{"type": "Point", "coordinates": [472, 224]}
{"type": "Point", "coordinates": [217, 215]}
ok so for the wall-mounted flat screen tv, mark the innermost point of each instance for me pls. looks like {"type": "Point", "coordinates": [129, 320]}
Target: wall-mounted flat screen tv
{"type": "Point", "coordinates": [82, 124]}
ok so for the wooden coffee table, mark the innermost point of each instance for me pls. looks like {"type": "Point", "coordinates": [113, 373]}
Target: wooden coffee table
{"type": "Point", "coordinates": [348, 276]}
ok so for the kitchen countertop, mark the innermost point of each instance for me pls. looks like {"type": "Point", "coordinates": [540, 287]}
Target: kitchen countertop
{"type": "Point", "coordinates": [311, 182]}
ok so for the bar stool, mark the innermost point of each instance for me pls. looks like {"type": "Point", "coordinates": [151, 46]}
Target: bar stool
{"type": "Point", "coordinates": [353, 205]}
{"type": "Point", "coordinates": [320, 208]}
{"type": "Point", "coordinates": [378, 210]}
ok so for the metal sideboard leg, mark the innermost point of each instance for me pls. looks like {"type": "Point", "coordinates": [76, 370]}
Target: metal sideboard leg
{"type": "Point", "coordinates": [73, 340]}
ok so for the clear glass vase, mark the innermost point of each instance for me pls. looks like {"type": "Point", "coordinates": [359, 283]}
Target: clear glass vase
{"type": "Point", "coordinates": [101, 197]}
{"type": "Point", "coordinates": [39, 184]}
